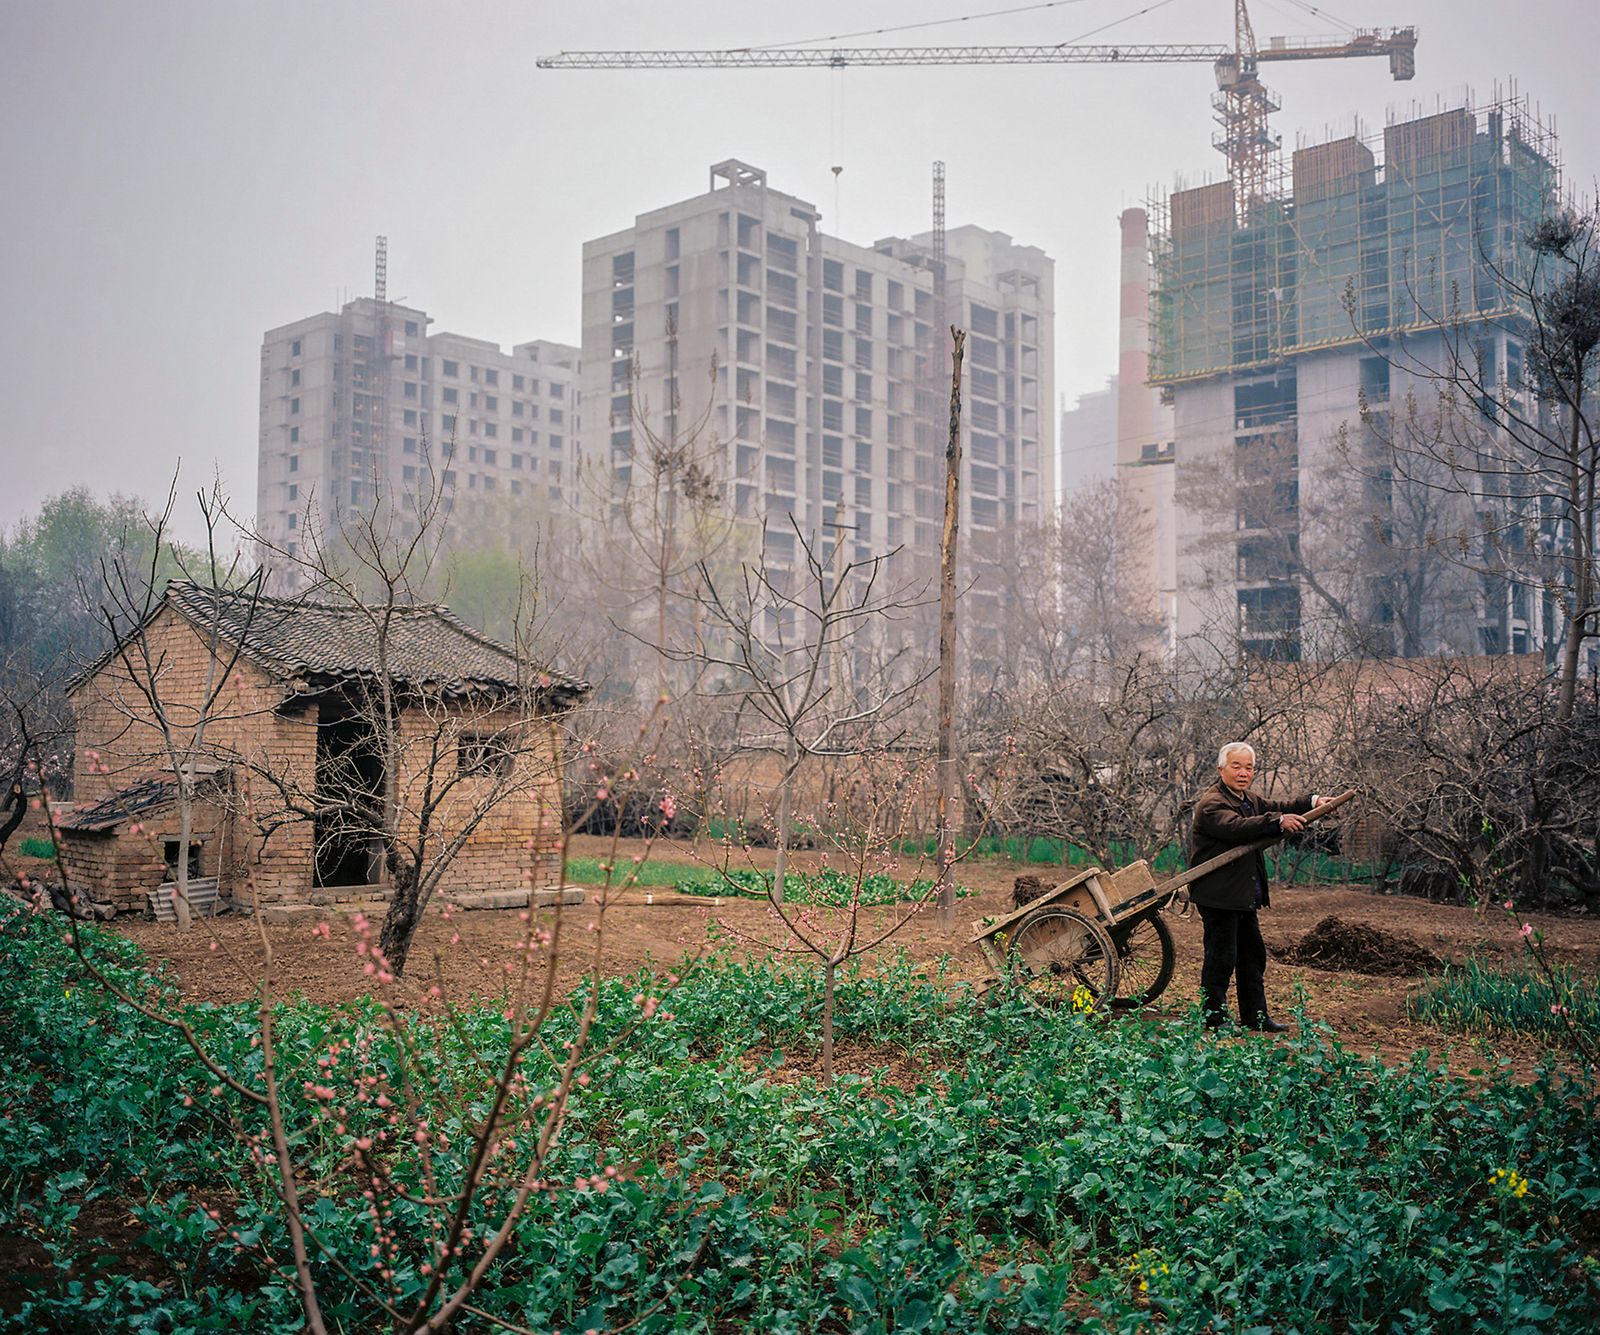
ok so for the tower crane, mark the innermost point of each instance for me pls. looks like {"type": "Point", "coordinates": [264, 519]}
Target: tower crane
{"type": "Point", "coordinates": [1243, 103]}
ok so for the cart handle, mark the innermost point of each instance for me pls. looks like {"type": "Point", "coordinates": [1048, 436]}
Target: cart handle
{"type": "Point", "coordinates": [1170, 887]}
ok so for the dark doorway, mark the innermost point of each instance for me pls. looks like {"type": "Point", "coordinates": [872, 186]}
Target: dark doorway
{"type": "Point", "coordinates": [349, 794]}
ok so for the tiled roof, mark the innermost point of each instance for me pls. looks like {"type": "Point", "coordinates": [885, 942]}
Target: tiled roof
{"type": "Point", "coordinates": [148, 795]}
{"type": "Point", "coordinates": [426, 645]}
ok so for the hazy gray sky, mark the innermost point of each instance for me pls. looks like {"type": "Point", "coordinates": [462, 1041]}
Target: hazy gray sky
{"type": "Point", "coordinates": [181, 177]}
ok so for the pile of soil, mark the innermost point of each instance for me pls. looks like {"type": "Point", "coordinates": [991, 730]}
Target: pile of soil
{"type": "Point", "coordinates": [1335, 944]}
{"type": "Point", "coordinates": [1026, 889]}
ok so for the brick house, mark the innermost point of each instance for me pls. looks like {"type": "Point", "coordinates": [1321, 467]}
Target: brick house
{"type": "Point", "coordinates": [290, 762]}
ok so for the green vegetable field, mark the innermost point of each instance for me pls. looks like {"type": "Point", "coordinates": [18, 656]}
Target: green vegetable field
{"type": "Point", "coordinates": [980, 1167]}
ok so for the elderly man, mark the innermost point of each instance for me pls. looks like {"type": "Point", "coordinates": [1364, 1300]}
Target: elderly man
{"type": "Point", "coordinates": [1229, 814]}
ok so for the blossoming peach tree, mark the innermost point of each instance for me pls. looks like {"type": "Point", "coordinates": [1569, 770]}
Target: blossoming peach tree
{"type": "Point", "coordinates": [442, 1117]}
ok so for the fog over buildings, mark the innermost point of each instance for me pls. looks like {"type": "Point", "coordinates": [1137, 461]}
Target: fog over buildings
{"type": "Point", "coordinates": [200, 174]}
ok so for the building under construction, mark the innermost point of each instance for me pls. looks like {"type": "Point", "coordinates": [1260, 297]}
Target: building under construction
{"type": "Point", "coordinates": [1296, 336]}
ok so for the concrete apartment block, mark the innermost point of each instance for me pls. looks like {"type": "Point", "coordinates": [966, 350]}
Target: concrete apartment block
{"type": "Point", "coordinates": [366, 403]}
{"type": "Point", "coordinates": [817, 368]}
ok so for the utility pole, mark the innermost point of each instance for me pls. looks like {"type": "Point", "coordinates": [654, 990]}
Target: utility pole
{"type": "Point", "coordinates": [837, 676]}
{"type": "Point", "coordinates": [945, 888]}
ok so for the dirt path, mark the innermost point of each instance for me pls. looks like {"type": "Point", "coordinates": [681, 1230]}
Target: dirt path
{"type": "Point", "coordinates": [469, 953]}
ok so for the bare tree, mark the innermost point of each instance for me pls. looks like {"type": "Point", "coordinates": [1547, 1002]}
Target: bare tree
{"type": "Point", "coordinates": [446, 1210]}
{"type": "Point", "coordinates": [168, 720]}
{"type": "Point", "coordinates": [1070, 615]}
{"type": "Point", "coordinates": [863, 835]}
{"type": "Point", "coordinates": [1502, 422]}
{"type": "Point", "coordinates": [658, 502]}
{"type": "Point", "coordinates": [432, 753]}
{"type": "Point", "coordinates": [806, 655]}
{"type": "Point", "coordinates": [1483, 789]}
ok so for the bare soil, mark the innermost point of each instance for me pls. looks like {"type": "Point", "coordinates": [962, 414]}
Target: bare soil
{"type": "Point", "coordinates": [1350, 954]}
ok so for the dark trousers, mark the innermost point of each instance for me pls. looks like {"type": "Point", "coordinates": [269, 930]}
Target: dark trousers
{"type": "Point", "coordinates": [1233, 947]}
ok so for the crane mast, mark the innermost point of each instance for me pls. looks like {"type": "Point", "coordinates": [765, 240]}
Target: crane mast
{"type": "Point", "coordinates": [1243, 105]}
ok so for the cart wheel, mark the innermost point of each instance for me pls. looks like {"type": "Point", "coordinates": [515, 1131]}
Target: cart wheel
{"type": "Point", "coordinates": [1060, 958]}
{"type": "Point", "coordinates": [1146, 955]}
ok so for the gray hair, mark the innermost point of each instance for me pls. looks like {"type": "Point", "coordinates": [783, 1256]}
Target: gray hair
{"type": "Point", "coordinates": [1230, 748]}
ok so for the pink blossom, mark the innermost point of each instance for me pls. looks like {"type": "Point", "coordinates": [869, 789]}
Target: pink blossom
{"type": "Point", "coordinates": [1527, 929]}
{"type": "Point", "coordinates": [669, 807]}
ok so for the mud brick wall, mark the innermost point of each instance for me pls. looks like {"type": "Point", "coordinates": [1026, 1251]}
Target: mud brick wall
{"type": "Point", "coordinates": [260, 851]}
{"type": "Point", "coordinates": [516, 814]}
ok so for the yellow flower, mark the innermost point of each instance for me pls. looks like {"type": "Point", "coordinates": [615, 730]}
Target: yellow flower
{"type": "Point", "coordinates": [1509, 1182]}
{"type": "Point", "coordinates": [1145, 1266]}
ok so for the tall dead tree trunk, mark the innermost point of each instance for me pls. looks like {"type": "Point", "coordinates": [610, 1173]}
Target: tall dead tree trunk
{"type": "Point", "coordinates": [1581, 512]}
{"type": "Point", "coordinates": [946, 890]}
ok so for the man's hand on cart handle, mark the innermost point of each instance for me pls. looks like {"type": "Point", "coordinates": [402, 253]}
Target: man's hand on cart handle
{"type": "Point", "coordinates": [1289, 823]}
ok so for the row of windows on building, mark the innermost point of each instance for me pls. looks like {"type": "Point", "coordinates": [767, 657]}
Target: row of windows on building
{"type": "Point", "coordinates": [489, 403]}
{"type": "Point", "coordinates": [487, 375]}
{"type": "Point", "coordinates": [449, 366]}
{"type": "Point", "coordinates": [448, 426]}
{"type": "Point", "coordinates": [557, 416]}
{"type": "Point", "coordinates": [445, 481]}
{"type": "Point", "coordinates": [414, 390]}
{"type": "Point", "coordinates": [412, 445]}
{"type": "Point", "coordinates": [491, 459]}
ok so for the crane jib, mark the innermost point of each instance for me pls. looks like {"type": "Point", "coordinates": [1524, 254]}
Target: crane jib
{"type": "Point", "coordinates": [1398, 44]}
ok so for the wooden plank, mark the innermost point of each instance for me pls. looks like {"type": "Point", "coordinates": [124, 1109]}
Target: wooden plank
{"type": "Point", "coordinates": [1102, 901]}
{"type": "Point", "coordinates": [1134, 879]}
{"type": "Point", "coordinates": [1051, 896]}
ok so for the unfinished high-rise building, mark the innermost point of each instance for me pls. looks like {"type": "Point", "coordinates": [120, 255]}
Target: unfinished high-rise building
{"type": "Point", "coordinates": [364, 407]}
{"type": "Point", "coordinates": [1300, 341]}
{"type": "Point", "coordinates": [808, 376]}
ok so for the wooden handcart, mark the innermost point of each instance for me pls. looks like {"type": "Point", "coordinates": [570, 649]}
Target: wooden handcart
{"type": "Point", "coordinates": [1098, 940]}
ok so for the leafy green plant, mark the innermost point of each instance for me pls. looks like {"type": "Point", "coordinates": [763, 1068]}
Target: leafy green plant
{"type": "Point", "coordinates": [1478, 999]}
{"type": "Point", "coordinates": [650, 872]}
{"type": "Point", "coordinates": [36, 847]}
{"type": "Point", "coordinates": [982, 1166]}
{"type": "Point", "coordinates": [828, 887]}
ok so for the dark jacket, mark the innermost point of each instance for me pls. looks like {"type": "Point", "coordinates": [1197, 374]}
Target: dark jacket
{"type": "Point", "coordinates": [1220, 824]}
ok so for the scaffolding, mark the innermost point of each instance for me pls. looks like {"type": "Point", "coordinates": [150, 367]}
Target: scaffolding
{"type": "Point", "coordinates": [1364, 240]}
